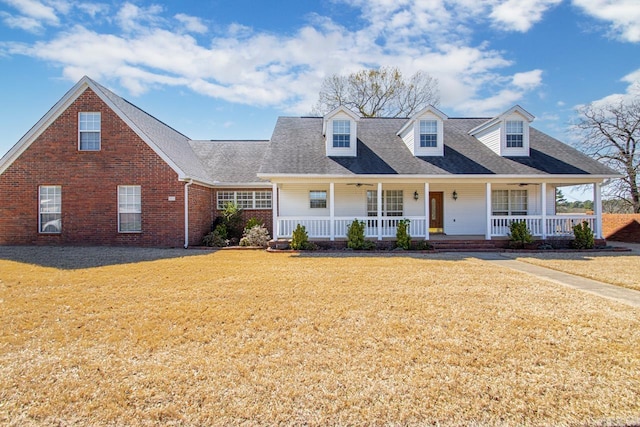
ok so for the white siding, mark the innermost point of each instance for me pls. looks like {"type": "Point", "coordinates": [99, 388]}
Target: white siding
{"type": "Point", "coordinates": [408, 138]}
{"type": "Point", "coordinates": [491, 138]}
{"type": "Point", "coordinates": [294, 200]}
{"type": "Point", "coordinates": [524, 151]}
{"type": "Point", "coordinates": [467, 215]}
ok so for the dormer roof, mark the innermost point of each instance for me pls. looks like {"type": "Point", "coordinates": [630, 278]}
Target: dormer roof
{"type": "Point", "coordinates": [515, 109]}
{"type": "Point", "coordinates": [335, 112]}
{"type": "Point", "coordinates": [428, 109]}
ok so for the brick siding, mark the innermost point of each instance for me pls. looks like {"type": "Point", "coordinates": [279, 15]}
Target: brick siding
{"type": "Point", "coordinates": [621, 227]}
{"type": "Point", "coordinates": [89, 181]}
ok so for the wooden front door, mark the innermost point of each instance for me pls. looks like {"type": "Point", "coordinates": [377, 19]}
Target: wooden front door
{"type": "Point", "coordinates": [436, 212]}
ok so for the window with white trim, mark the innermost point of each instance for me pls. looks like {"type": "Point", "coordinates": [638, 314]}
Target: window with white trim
{"type": "Point", "coordinates": [50, 211]}
{"type": "Point", "coordinates": [246, 200]}
{"type": "Point", "coordinates": [392, 203]}
{"type": "Point", "coordinates": [317, 199]}
{"type": "Point", "coordinates": [515, 133]}
{"type": "Point", "coordinates": [89, 132]}
{"type": "Point", "coordinates": [509, 202]}
{"type": "Point", "coordinates": [129, 209]}
{"type": "Point", "coordinates": [428, 133]}
{"type": "Point", "coordinates": [341, 133]}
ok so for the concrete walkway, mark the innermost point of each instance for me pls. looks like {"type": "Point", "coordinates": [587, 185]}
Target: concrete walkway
{"type": "Point", "coordinates": [605, 290]}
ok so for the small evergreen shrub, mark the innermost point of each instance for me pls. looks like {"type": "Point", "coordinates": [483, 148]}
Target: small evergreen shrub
{"type": "Point", "coordinates": [355, 235]}
{"type": "Point", "coordinates": [583, 236]}
{"type": "Point", "coordinates": [255, 236]}
{"type": "Point", "coordinates": [217, 238]}
{"type": "Point", "coordinates": [519, 234]}
{"type": "Point", "coordinates": [403, 239]}
{"type": "Point", "coordinates": [422, 245]}
{"type": "Point", "coordinates": [300, 238]}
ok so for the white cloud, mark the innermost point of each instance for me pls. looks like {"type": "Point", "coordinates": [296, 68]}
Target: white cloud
{"type": "Point", "coordinates": [22, 22]}
{"type": "Point", "coordinates": [624, 16]}
{"type": "Point", "coordinates": [192, 23]}
{"type": "Point", "coordinates": [243, 65]}
{"type": "Point", "coordinates": [632, 91]}
{"type": "Point", "coordinates": [520, 15]}
{"type": "Point", "coordinates": [35, 10]}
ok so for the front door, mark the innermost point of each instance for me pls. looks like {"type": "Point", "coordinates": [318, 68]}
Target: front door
{"type": "Point", "coordinates": [436, 212]}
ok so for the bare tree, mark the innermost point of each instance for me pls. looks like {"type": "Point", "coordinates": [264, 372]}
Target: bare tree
{"type": "Point", "coordinates": [611, 134]}
{"type": "Point", "coordinates": [378, 93]}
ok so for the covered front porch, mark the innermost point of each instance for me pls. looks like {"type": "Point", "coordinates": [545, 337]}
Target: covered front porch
{"type": "Point", "coordinates": [435, 210]}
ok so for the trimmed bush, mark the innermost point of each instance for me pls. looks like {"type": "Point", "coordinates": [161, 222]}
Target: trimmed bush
{"type": "Point", "coordinates": [217, 238]}
{"type": "Point", "coordinates": [300, 238]}
{"type": "Point", "coordinates": [519, 234]}
{"type": "Point", "coordinates": [583, 236]}
{"type": "Point", "coordinates": [355, 235]}
{"type": "Point", "coordinates": [403, 239]}
{"type": "Point", "coordinates": [252, 223]}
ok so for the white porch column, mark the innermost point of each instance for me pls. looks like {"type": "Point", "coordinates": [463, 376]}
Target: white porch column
{"type": "Point", "coordinates": [543, 189]}
{"type": "Point", "coordinates": [332, 212]}
{"type": "Point", "coordinates": [597, 208]}
{"type": "Point", "coordinates": [379, 211]}
{"type": "Point", "coordinates": [427, 213]}
{"type": "Point", "coordinates": [274, 206]}
{"type": "Point", "coordinates": [487, 234]}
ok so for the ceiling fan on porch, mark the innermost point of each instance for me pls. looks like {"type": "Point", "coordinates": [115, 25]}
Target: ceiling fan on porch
{"type": "Point", "coordinates": [359, 184]}
{"type": "Point", "coordinates": [524, 184]}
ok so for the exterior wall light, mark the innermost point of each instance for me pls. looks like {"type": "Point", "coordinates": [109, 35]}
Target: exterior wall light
{"type": "Point", "coordinates": [455, 195]}
{"type": "Point", "coordinates": [415, 195]}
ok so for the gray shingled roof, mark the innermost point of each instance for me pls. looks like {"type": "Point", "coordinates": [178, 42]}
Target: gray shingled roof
{"type": "Point", "coordinates": [231, 161]}
{"type": "Point", "coordinates": [297, 147]}
{"type": "Point", "coordinates": [171, 142]}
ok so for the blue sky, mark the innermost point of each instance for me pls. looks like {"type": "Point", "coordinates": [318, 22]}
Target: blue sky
{"type": "Point", "coordinates": [227, 70]}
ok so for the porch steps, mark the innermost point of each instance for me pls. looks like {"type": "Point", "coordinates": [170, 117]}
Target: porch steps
{"type": "Point", "coordinates": [467, 245]}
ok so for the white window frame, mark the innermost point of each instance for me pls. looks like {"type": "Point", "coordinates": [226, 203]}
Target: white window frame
{"type": "Point", "coordinates": [317, 199]}
{"type": "Point", "coordinates": [392, 203]}
{"type": "Point", "coordinates": [428, 128]}
{"type": "Point", "coordinates": [245, 199]}
{"type": "Point", "coordinates": [129, 203]}
{"type": "Point", "coordinates": [50, 209]}
{"type": "Point", "coordinates": [514, 128]}
{"type": "Point", "coordinates": [341, 129]}
{"type": "Point", "coordinates": [509, 202]}
{"type": "Point", "coordinates": [89, 123]}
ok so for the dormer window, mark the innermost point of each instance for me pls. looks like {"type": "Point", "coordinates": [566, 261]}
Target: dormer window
{"type": "Point", "coordinates": [341, 133]}
{"type": "Point", "coordinates": [340, 130]}
{"type": "Point", "coordinates": [423, 134]}
{"type": "Point", "coordinates": [428, 133]}
{"type": "Point", "coordinates": [515, 133]}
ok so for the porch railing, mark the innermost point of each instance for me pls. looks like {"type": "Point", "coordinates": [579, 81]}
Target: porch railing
{"type": "Point", "coordinates": [556, 225]}
{"type": "Point", "coordinates": [320, 227]}
{"type": "Point", "coordinates": [386, 227]}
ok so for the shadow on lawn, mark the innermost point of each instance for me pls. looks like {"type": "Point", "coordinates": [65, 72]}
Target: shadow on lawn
{"type": "Point", "coordinates": [73, 258]}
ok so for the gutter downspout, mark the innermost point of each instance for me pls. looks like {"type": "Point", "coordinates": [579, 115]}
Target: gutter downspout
{"type": "Point", "coordinates": [186, 213]}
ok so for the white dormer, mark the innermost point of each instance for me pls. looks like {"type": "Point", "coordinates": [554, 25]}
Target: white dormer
{"type": "Point", "coordinates": [508, 134]}
{"type": "Point", "coordinates": [340, 128]}
{"type": "Point", "coordinates": [423, 134]}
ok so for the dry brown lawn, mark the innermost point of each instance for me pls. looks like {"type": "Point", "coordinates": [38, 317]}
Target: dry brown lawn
{"type": "Point", "coordinates": [622, 269]}
{"type": "Point", "coordinates": [251, 338]}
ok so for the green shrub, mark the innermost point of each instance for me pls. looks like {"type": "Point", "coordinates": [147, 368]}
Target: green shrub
{"type": "Point", "coordinates": [300, 238]}
{"type": "Point", "coordinates": [519, 234]}
{"type": "Point", "coordinates": [403, 239]}
{"type": "Point", "coordinates": [422, 245]}
{"type": "Point", "coordinates": [252, 223]}
{"type": "Point", "coordinates": [255, 236]}
{"type": "Point", "coordinates": [232, 219]}
{"type": "Point", "coordinates": [583, 236]}
{"type": "Point", "coordinates": [355, 235]}
{"type": "Point", "coordinates": [217, 238]}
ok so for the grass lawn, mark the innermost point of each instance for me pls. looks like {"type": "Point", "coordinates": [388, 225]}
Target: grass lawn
{"type": "Point", "coordinates": [622, 269]}
{"type": "Point", "coordinates": [246, 338]}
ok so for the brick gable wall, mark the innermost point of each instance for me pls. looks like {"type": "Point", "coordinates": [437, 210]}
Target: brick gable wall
{"type": "Point", "coordinates": [89, 183]}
